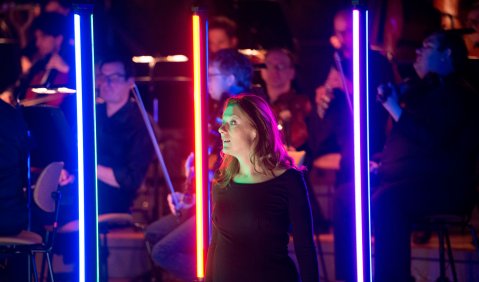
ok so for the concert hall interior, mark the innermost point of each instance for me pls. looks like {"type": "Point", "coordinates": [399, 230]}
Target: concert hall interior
{"type": "Point", "coordinates": [266, 89]}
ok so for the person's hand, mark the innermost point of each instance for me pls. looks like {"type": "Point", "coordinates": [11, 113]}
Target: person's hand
{"type": "Point", "coordinates": [373, 167]}
{"type": "Point", "coordinates": [389, 98]}
{"type": "Point", "coordinates": [185, 201]}
{"type": "Point", "coordinates": [324, 95]}
{"type": "Point", "coordinates": [65, 178]}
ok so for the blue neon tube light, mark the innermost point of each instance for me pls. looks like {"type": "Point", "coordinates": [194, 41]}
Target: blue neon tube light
{"type": "Point", "coordinates": [361, 145]}
{"type": "Point", "coordinates": [86, 134]}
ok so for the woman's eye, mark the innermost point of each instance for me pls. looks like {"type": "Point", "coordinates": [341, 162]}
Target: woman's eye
{"type": "Point", "coordinates": [233, 122]}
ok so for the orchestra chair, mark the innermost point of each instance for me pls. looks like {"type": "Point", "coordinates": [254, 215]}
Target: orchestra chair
{"type": "Point", "coordinates": [106, 223]}
{"type": "Point", "coordinates": [47, 197]}
{"type": "Point", "coordinates": [297, 156]}
{"type": "Point", "coordinates": [440, 223]}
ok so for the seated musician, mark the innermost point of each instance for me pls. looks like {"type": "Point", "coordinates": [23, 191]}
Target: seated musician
{"type": "Point", "coordinates": [428, 162]}
{"type": "Point", "coordinates": [124, 148]}
{"type": "Point", "coordinates": [289, 107]}
{"type": "Point", "coordinates": [49, 62]}
{"type": "Point", "coordinates": [172, 236]}
{"type": "Point", "coordinates": [222, 34]}
{"type": "Point", "coordinates": [331, 132]}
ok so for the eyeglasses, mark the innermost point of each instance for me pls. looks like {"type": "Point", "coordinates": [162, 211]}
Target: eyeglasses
{"type": "Point", "coordinates": [211, 75]}
{"type": "Point", "coordinates": [111, 78]}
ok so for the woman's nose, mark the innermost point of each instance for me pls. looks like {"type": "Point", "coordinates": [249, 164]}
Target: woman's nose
{"type": "Point", "coordinates": [222, 129]}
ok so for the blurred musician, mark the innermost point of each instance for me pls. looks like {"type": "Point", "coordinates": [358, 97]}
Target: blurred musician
{"type": "Point", "coordinates": [428, 162]}
{"type": "Point", "coordinates": [289, 107]}
{"type": "Point", "coordinates": [222, 34]}
{"type": "Point", "coordinates": [331, 131]}
{"type": "Point", "coordinates": [51, 62]}
{"type": "Point", "coordinates": [472, 40]}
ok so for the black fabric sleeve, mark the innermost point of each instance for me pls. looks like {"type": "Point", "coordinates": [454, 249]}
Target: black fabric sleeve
{"type": "Point", "coordinates": [432, 123]}
{"type": "Point", "coordinates": [210, 256]}
{"type": "Point", "coordinates": [300, 217]}
{"type": "Point", "coordinates": [130, 175]}
{"type": "Point", "coordinates": [212, 247]}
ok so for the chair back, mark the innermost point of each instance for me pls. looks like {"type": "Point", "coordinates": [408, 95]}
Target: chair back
{"type": "Point", "coordinates": [46, 184]}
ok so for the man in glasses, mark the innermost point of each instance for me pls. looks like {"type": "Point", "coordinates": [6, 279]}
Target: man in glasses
{"type": "Point", "coordinates": [124, 149]}
{"type": "Point", "coordinates": [290, 108]}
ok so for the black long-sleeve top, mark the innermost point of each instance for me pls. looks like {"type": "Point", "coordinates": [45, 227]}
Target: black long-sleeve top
{"type": "Point", "coordinates": [124, 146]}
{"type": "Point", "coordinates": [250, 232]}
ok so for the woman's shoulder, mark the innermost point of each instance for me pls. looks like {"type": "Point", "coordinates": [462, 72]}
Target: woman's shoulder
{"type": "Point", "coordinates": [292, 173]}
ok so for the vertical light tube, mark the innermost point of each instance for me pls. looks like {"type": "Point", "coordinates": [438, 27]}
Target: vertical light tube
{"type": "Point", "coordinates": [81, 173]}
{"type": "Point", "coordinates": [357, 150]}
{"type": "Point", "coordinates": [201, 156]}
{"type": "Point", "coordinates": [86, 134]}
{"type": "Point", "coordinates": [198, 147]}
{"type": "Point", "coordinates": [368, 190]}
{"type": "Point", "coordinates": [361, 146]}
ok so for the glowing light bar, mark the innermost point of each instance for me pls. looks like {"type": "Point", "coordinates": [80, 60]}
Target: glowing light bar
{"type": "Point", "coordinates": [252, 52]}
{"type": "Point", "coordinates": [63, 90]}
{"type": "Point", "coordinates": [43, 90]}
{"type": "Point", "coordinates": [361, 146]}
{"type": "Point", "coordinates": [81, 173]}
{"type": "Point", "coordinates": [86, 134]}
{"type": "Point", "coordinates": [153, 60]}
{"type": "Point", "coordinates": [176, 58]}
{"type": "Point", "coordinates": [199, 173]}
{"type": "Point", "coordinates": [143, 59]}
{"type": "Point", "coordinates": [66, 90]}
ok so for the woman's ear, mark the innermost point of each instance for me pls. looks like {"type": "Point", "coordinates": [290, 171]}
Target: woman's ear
{"type": "Point", "coordinates": [230, 80]}
{"type": "Point", "coordinates": [253, 135]}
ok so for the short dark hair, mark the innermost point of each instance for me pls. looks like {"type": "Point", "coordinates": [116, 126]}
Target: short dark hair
{"type": "Point", "coordinates": [287, 52]}
{"type": "Point", "coordinates": [230, 61]}
{"type": "Point", "coordinates": [67, 4]}
{"type": "Point", "coordinates": [224, 23]}
{"type": "Point", "coordinates": [453, 41]}
{"type": "Point", "coordinates": [125, 60]}
{"type": "Point", "coordinates": [53, 24]}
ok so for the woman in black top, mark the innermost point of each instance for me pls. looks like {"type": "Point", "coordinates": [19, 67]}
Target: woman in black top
{"type": "Point", "coordinates": [257, 194]}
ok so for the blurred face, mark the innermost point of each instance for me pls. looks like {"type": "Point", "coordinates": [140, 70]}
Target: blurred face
{"type": "Point", "coordinates": [473, 20]}
{"type": "Point", "coordinates": [237, 133]}
{"type": "Point", "coordinates": [113, 84]}
{"type": "Point", "coordinates": [343, 31]}
{"type": "Point", "coordinates": [218, 39]}
{"type": "Point", "coordinates": [55, 7]}
{"type": "Point", "coordinates": [218, 82]}
{"type": "Point", "coordinates": [279, 70]}
{"type": "Point", "coordinates": [47, 44]}
{"type": "Point", "coordinates": [429, 58]}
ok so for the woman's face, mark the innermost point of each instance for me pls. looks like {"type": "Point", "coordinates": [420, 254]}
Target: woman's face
{"type": "Point", "coordinates": [429, 58]}
{"type": "Point", "coordinates": [237, 133]}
